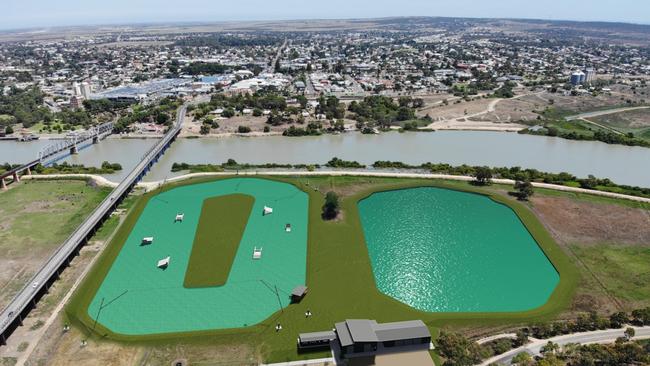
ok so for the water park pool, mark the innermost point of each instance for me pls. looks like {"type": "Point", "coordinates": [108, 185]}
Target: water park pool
{"type": "Point", "coordinates": [441, 250]}
{"type": "Point", "coordinates": [139, 297]}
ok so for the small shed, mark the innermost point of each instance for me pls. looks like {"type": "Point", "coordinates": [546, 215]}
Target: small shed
{"type": "Point", "coordinates": [179, 217]}
{"type": "Point", "coordinates": [164, 263]}
{"type": "Point", "coordinates": [147, 240]}
{"type": "Point", "coordinates": [287, 228]}
{"type": "Point", "coordinates": [298, 293]}
{"type": "Point", "coordinates": [267, 210]}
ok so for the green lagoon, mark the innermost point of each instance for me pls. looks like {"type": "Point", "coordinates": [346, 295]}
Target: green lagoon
{"type": "Point", "coordinates": [440, 250]}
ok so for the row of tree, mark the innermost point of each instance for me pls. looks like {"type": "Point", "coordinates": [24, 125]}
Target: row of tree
{"type": "Point", "coordinates": [485, 174]}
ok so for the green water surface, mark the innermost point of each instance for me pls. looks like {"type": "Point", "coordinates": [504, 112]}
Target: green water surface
{"type": "Point", "coordinates": [440, 250]}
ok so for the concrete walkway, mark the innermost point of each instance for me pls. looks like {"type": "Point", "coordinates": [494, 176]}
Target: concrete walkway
{"type": "Point", "coordinates": [361, 173]}
{"type": "Point", "coordinates": [596, 337]}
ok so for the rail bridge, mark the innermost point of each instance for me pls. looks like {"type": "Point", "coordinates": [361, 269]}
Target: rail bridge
{"type": "Point", "coordinates": [70, 143]}
{"type": "Point", "coordinates": [26, 299]}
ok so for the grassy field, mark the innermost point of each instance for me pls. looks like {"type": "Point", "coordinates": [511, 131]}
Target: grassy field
{"type": "Point", "coordinates": [339, 276]}
{"type": "Point", "coordinates": [221, 227]}
{"type": "Point", "coordinates": [622, 270]}
{"type": "Point", "coordinates": [37, 216]}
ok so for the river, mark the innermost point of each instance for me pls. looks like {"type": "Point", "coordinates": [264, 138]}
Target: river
{"type": "Point", "coordinates": [622, 164]}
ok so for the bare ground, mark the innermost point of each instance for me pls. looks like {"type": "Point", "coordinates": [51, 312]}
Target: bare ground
{"type": "Point", "coordinates": [639, 118]}
{"type": "Point", "coordinates": [582, 222]}
{"type": "Point", "coordinates": [577, 224]}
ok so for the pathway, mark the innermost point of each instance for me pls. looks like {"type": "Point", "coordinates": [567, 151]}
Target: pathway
{"type": "Point", "coordinates": [598, 336]}
{"type": "Point", "coordinates": [604, 112]}
{"type": "Point", "coordinates": [363, 173]}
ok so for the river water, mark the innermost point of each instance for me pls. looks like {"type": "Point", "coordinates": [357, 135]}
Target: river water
{"type": "Point", "coordinates": [622, 164]}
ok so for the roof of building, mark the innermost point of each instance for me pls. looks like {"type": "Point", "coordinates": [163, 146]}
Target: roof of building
{"type": "Point", "coordinates": [401, 330]}
{"type": "Point", "coordinates": [343, 334]}
{"type": "Point", "coordinates": [317, 336]}
{"type": "Point", "coordinates": [298, 290]}
{"type": "Point", "coordinates": [363, 330]}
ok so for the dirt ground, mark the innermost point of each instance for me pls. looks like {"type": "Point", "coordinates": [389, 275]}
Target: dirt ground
{"type": "Point", "coordinates": [256, 124]}
{"type": "Point", "coordinates": [65, 348]}
{"type": "Point", "coordinates": [600, 238]}
{"type": "Point", "coordinates": [588, 223]}
{"type": "Point", "coordinates": [513, 110]}
{"type": "Point", "coordinates": [639, 118]}
{"type": "Point", "coordinates": [454, 110]}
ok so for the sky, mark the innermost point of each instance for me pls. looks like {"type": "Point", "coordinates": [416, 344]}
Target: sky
{"type": "Point", "coordinates": [17, 14]}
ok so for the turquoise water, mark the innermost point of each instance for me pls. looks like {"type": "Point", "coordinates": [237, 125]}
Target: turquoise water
{"type": "Point", "coordinates": [138, 298]}
{"type": "Point", "coordinates": [441, 250]}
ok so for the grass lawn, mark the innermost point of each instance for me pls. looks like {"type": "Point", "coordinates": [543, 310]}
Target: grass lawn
{"type": "Point", "coordinates": [37, 216]}
{"type": "Point", "coordinates": [339, 275]}
{"type": "Point", "coordinates": [622, 270]}
{"type": "Point", "coordinates": [221, 227]}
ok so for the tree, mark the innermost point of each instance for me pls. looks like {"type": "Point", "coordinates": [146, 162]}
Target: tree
{"type": "Point", "coordinates": [524, 190]}
{"type": "Point", "coordinates": [162, 118]}
{"type": "Point", "coordinates": [522, 338]}
{"type": "Point", "coordinates": [617, 320]}
{"type": "Point", "coordinates": [549, 348]}
{"type": "Point", "coordinates": [243, 129]}
{"type": "Point", "coordinates": [522, 359]}
{"type": "Point", "coordinates": [483, 175]}
{"type": "Point", "coordinates": [331, 206]}
{"type": "Point", "coordinates": [228, 113]}
{"type": "Point", "coordinates": [629, 333]}
{"type": "Point", "coordinates": [9, 130]}
{"type": "Point", "coordinates": [205, 129]}
{"type": "Point", "coordinates": [458, 350]}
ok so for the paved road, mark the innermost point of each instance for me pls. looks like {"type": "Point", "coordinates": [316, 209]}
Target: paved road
{"type": "Point", "coordinates": [271, 68]}
{"type": "Point", "coordinates": [603, 113]}
{"type": "Point", "coordinates": [599, 336]}
{"type": "Point", "coordinates": [29, 293]}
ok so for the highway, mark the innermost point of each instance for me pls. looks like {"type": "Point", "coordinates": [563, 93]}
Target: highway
{"type": "Point", "coordinates": [25, 300]}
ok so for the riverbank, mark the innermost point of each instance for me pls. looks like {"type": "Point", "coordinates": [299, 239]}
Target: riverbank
{"type": "Point", "coordinates": [148, 186]}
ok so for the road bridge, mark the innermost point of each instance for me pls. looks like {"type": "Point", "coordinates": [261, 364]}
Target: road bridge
{"type": "Point", "coordinates": [27, 298]}
{"type": "Point", "coordinates": [70, 143]}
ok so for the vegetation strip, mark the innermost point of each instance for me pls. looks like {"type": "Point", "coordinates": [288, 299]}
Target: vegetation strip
{"type": "Point", "coordinates": [221, 227]}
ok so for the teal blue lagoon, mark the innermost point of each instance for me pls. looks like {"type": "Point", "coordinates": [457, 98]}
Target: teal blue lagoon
{"type": "Point", "coordinates": [440, 250]}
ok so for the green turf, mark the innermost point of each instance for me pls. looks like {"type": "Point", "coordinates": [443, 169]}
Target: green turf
{"type": "Point", "coordinates": [138, 298]}
{"type": "Point", "coordinates": [339, 275]}
{"type": "Point", "coordinates": [221, 227]}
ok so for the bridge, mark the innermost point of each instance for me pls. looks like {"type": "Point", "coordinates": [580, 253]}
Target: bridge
{"type": "Point", "coordinates": [13, 315]}
{"type": "Point", "coordinates": [70, 143]}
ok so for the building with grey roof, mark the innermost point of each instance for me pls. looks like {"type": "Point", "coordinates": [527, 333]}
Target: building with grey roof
{"type": "Point", "coordinates": [357, 337]}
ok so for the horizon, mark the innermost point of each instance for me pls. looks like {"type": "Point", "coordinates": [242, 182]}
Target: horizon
{"type": "Point", "coordinates": [76, 13]}
{"type": "Point", "coordinates": [209, 22]}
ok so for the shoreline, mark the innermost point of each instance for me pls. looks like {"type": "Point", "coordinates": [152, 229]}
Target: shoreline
{"type": "Point", "coordinates": [149, 186]}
